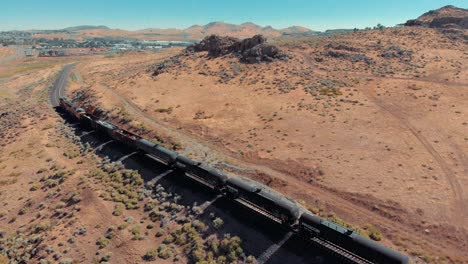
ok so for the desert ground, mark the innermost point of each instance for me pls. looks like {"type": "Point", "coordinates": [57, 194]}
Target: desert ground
{"type": "Point", "coordinates": [367, 129]}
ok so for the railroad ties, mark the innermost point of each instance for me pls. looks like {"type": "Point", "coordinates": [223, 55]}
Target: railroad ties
{"type": "Point", "coordinates": [346, 255]}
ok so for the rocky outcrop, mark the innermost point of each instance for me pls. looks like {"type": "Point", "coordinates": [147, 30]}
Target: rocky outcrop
{"type": "Point", "coordinates": [215, 45]}
{"type": "Point", "coordinates": [164, 66]}
{"type": "Point", "coordinates": [349, 56]}
{"type": "Point", "coordinates": [395, 52]}
{"type": "Point", "coordinates": [445, 17]}
{"type": "Point", "coordinates": [249, 50]}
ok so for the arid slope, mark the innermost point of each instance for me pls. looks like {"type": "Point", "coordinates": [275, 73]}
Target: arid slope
{"type": "Point", "coordinates": [367, 126]}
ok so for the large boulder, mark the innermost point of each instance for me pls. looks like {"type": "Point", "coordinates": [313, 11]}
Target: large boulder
{"type": "Point", "coordinates": [249, 50]}
{"type": "Point", "coordinates": [262, 52]}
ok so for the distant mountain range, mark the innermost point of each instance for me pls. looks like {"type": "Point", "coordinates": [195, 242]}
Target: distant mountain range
{"type": "Point", "coordinates": [84, 27]}
{"type": "Point", "coordinates": [191, 33]}
{"type": "Point", "coordinates": [447, 16]}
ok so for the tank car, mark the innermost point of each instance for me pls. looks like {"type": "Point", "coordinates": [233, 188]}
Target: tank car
{"type": "Point", "coordinates": [145, 145]}
{"type": "Point", "coordinates": [263, 200]}
{"type": "Point", "coordinates": [210, 177]}
{"type": "Point", "coordinates": [311, 226]}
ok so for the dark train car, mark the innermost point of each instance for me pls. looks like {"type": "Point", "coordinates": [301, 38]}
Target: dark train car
{"type": "Point", "coordinates": [87, 121]}
{"type": "Point", "coordinates": [145, 145]}
{"type": "Point", "coordinates": [210, 177]}
{"type": "Point", "coordinates": [163, 155]}
{"type": "Point", "coordinates": [104, 127]}
{"type": "Point", "coordinates": [71, 108]}
{"type": "Point", "coordinates": [184, 164]}
{"type": "Point", "coordinates": [125, 137]}
{"type": "Point", "coordinates": [311, 225]}
{"type": "Point", "coordinates": [263, 200]}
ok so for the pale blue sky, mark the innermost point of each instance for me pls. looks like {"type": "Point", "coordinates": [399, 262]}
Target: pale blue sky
{"type": "Point", "coordinates": [138, 14]}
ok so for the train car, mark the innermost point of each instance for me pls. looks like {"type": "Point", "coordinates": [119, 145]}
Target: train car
{"type": "Point", "coordinates": [184, 164]}
{"type": "Point", "coordinates": [126, 137]}
{"type": "Point", "coordinates": [311, 226]}
{"type": "Point", "coordinates": [163, 155]}
{"type": "Point", "coordinates": [87, 121]}
{"type": "Point", "coordinates": [71, 108]}
{"type": "Point", "coordinates": [145, 145]}
{"type": "Point", "coordinates": [156, 151]}
{"type": "Point", "coordinates": [263, 200]}
{"type": "Point", "coordinates": [104, 127]}
{"type": "Point", "coordinates": [210, 177]}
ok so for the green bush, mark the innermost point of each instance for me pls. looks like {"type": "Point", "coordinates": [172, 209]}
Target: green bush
{"type": "Point", "coordinates": [150, 255]}
{"type": "Point", "coordinates": [164, 251]}
{"type": "Point", "coordinates": [218, 223]}
{"type": "Point", "coordinates": [102, 242]}
{"type": "Point", "coordinates": [118, 209]}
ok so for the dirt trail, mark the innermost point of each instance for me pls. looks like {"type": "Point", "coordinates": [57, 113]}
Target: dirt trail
{"type": "Point", "coordinates": [460, 212]}
{"type": "Point", "coordinates": [364, 214]}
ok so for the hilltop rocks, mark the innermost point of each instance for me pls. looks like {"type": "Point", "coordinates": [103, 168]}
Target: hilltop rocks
{"type": "Point", "coordinates": [249, 50]}
{"type": "Point", "coordinates": [164, 66]}
{"type": "Point", "coordinates": [215, 45]}
{"type": "Point", "coordinates": [445, 17]}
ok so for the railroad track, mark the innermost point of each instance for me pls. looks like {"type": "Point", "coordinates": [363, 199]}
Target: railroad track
{"type": "Point", "coordinates": [58, 90]}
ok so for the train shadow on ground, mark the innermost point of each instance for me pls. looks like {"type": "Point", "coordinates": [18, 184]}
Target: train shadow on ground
{"type": "Point", "coordinates": [260, 236]}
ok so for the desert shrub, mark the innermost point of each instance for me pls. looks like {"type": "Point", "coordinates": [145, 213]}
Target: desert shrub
{"type": "Point", "coordinates": [164, 110]}
{"type": "Point", "coordinates": [164, 251]}
{"type": "Point", "coordinates": [150, 255]}
{"type": "Point", "coordinates": [136, 232]}
{"type": "Point", "coordinates": [106, 257]}
{"type": "Point", "coordinates": [102, 242]}
{"type": "Point", "coordinates": [250, 260]}
{"type": "Point", "coordinates": [373, 233]}
{"type": "Point", "coordinates": [218, 223]}
{"type": "Point", "coordinates": [231, 247]}
{"type": "Point", "coordinates": [35, 186]}
{"type": "Point", "coordinates": [118, 209]}
{"type": "Point", "coordinates": [123, 226]}
{"type": "Point", "coordinates": [66, 261]}
{"type": "Point", "coordinates": [41, 170]}
{"type": "Point", "coordinates": [71, 154]}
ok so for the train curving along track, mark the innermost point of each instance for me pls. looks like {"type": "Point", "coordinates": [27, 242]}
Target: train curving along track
{"type": "Point", "coordinates": [317, 238]}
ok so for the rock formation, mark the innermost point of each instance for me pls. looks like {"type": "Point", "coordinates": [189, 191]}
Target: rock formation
{"type": "Point", "coordinates": [249, 50]}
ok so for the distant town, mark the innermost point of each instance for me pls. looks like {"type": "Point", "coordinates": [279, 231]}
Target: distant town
{"type": "Point", "coordinates": [54, 47]}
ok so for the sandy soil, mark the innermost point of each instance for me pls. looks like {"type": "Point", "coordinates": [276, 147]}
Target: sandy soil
{"type": "Point", "coordinates": [374, 140]}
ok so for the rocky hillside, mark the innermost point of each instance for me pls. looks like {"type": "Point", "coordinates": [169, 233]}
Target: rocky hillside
{"type": "Point", "coordinates": [445, 17]}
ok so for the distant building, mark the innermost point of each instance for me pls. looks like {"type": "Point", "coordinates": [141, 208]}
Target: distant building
{"type": "Point", "coordinates": [28, 52]}
{"type": "Point", "coordinates": [122, 46]}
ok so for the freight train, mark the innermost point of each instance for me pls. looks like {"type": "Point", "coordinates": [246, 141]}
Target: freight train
{"type": "Point", "coordinates": [253, 195]}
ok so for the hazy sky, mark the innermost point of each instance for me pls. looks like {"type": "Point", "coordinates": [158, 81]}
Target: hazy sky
{"type": "Point", "coordinates": [138, 14]}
